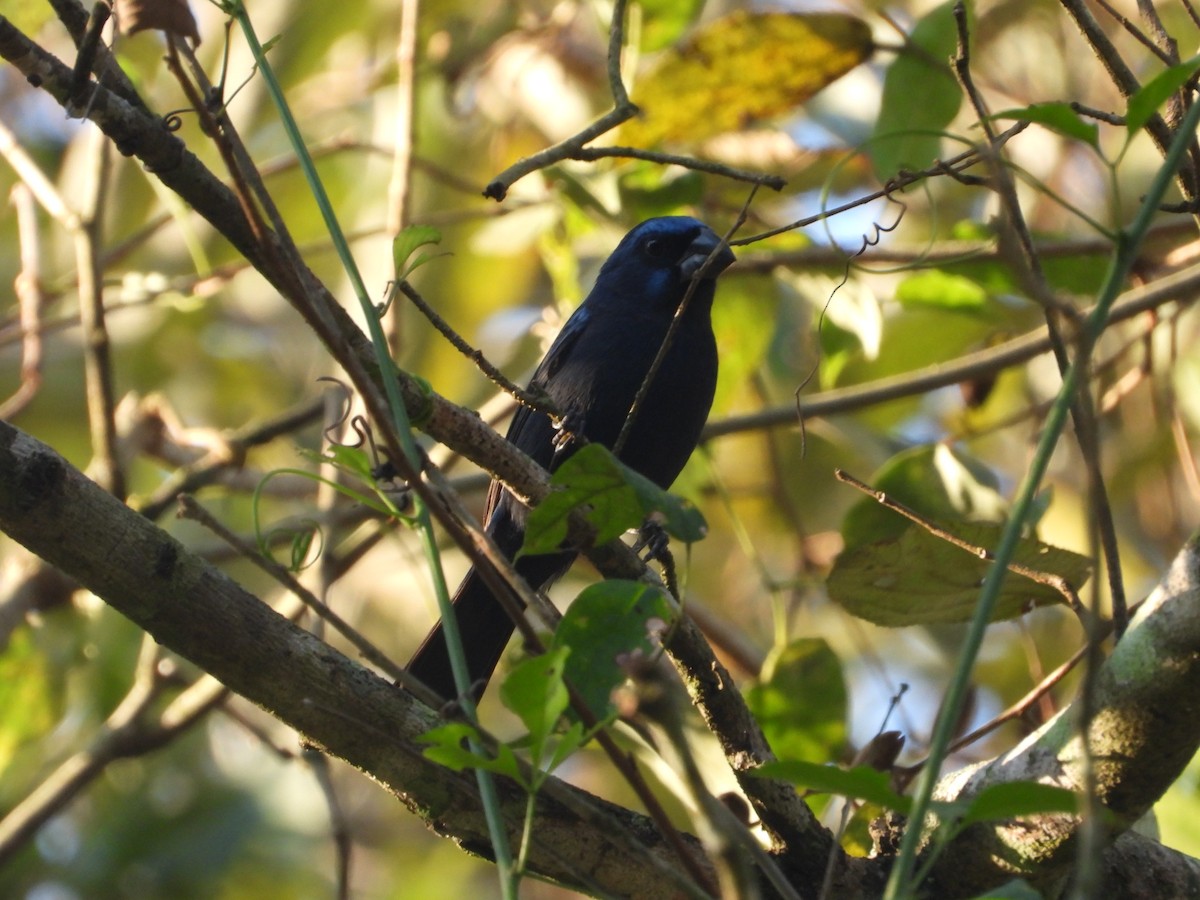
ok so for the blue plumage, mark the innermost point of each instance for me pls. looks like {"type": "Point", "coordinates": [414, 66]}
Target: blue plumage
{"type": "Point", "coordinates": [592, 373]}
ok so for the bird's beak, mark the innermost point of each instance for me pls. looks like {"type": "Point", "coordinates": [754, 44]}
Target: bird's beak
{"type": "Point", "coordinates": [698, 253]}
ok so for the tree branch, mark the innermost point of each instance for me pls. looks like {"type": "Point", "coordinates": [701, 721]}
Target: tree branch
{"type": "Point", "coordinates": [200, 613]}
{"type": "Point", "coordinates": [1143, 729]}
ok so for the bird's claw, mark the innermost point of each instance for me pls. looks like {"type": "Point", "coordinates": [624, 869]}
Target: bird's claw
{"type": "Point", "coordinates": [453, 709]}
{"type": "Point", "coordinates": [387, 479]}
{"type": "Point", "coordinates": [567, 429]}
{"type": "Point", "coordinates": [652, 538]}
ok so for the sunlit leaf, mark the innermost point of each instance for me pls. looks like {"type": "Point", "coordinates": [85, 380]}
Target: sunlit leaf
{"type": "Point", "coordinates": [1058, 117]}
{"type": "Point", "coordinates": [741, 69]}
{"type": "Point", "coordinates": [407, 243]}
{"type": "Point", "coordinates": [941, 483]}
{"type": "Point", "coordinates": [801, 701]}
{"type": "Point", "coordinates": [26, 16]}
{"type": "Point", "coordinates": [664, 21]}
{"type": "Point", "coordinates": [612, 497]}
{"type": "Point", "coordinates": [27, 706]}
{"type": "Point", "coordinates": [1156, 92]}
{"type": "Point", "coordinates": [920, 579]}
{"type": "Point", "coordinates": [854, 307]}
{"type": "Point", "coordinates": [941, 290]}
{"type": "Point", "coordinates": [851, 321]}
{"type": "Point", "coordinates": [920, 97]}
{"type": "Point", "coordinates": [744, 323]}
{"type": "Point", "coordinates": [448, 747]}
{"type": "Point", "coordinates": [534, 690]}
{"type": "Point", "coordinates": [353, 459]}
{"type": "Point", "coordinates": [604, 627]}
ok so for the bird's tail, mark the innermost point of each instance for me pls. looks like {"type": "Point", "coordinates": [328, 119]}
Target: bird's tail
{"type": "Point", "coordinates": [485, 629]}
{"type": "Point", "coordinates": [482, 622]}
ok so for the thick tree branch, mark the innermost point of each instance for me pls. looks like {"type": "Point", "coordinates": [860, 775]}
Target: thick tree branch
{"type": "Point", "coordinates": [1143, 730]}
{"type": "Point", "coordinates": [195, 610]}
{"type": "Point", "coordinates": [1147, 728]}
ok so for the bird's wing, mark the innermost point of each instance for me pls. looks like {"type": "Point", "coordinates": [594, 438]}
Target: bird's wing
{"type": "Point", "coordinates": [560, 350]}
{"type": "Point", "coordinates": [530, 430]}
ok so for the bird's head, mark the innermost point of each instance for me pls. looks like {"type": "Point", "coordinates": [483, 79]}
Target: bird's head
{"type": "Point", "coordinates": [658, 259]}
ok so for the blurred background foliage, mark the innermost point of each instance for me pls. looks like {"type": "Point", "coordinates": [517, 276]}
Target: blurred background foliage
{"type": "Point", "coordinates": [230, 808]}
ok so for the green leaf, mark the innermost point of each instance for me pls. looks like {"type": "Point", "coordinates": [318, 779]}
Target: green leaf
{"type": "Point", "coordinates": [449, 748]}
{"type": "Point", "coordinates": [800, 702]}
{"type": "Point", "coordinates": [28, 707]}
{"type": "Point", "coordinates": [859, 783]}
{"type": "Point", "coordinates": [919, 579]}
{"type": "Point", "coordinates": [663, 21]}
{"type": "Point", "coordinates": [569, 741]}
{"type": "Point", "coordinates": [741, 69]}
{"type": "Point", "coordinates": [854, 308]}
{"type": "Point", "coordinates": [920, 97]}
{"type": "Point", "coordinates": [1019, 798]}
{"type": "Point", "coordinates": [744, 323]}
{"type": "Point", "coordinates": [534, 690]}
{"type": "Point", "coordinates": [649, 190]}
{"type": "Point", "coordinates": [608, 622]}
{"type": "Point", "coordinates": [1156, 92]}
{"type": "Point", "coordinates": [301, 546]}
{"type": "Point", "coordinates": [940, 482]}
{"type": "Point", "coordinates": [25, 16]}
{"type": "Point", "coordinates": [936, 289]}
{"type": "Point", "coordinates": [353, 459]}
{"type": "Point", "coordinates": [619, 499]}
{"type": "Point", "coordinates": [408, 242]}
{"type": "Point", "coordinates": [851, 326]}
{"type": "Point", "coordinates": [1058, 117]}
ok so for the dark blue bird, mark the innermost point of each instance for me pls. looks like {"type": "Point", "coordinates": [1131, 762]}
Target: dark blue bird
{"type": "Point", "coordinates": [591, 374]}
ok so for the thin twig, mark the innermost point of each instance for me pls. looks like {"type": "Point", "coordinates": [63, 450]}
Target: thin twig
{"type": "Point", "coordinates": [43, 189]}
{"type": "Point", "coordinates": [28, 289]}
{"type": "Point", "coordinates": [235, 445]}
{"type": "Point", "coordinates": [105, 466]}
{"type": "Point", "coordinates": [905, 773]}
{"type": "Point", "coordinates": [1127, 83]}
{"type": "Point", "coordinates": [1136, 33]}
{"type": "Point", "coordinates": [337, 422]}
{"type": "Point", "coordinates": [1100, 115]}
{"type": "Point", "coordinates": [622, 111]}
{"type": "Point", "coordinates": [399, 195]}
{"type": "Point", "coordinates": [590, 154]}
{"type": "Point", "coordinates": [954, 165]}
{"type": "Point", "coordinates": [525, 398]}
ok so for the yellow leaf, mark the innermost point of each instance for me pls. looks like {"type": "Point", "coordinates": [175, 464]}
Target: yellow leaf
{"type": "Point", "coordinates": [741, 69]}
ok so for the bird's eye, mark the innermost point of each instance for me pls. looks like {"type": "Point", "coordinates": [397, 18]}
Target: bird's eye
{"type": "Point", "coordinates": [654, 248]}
